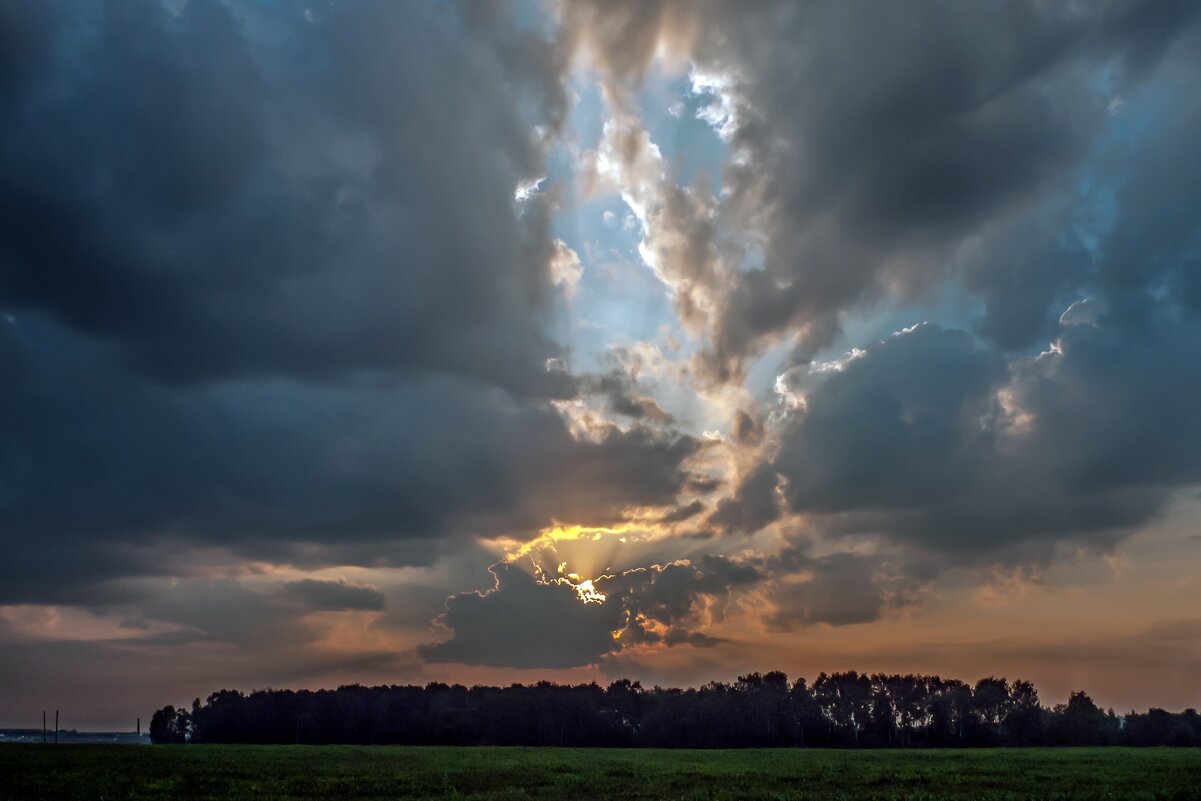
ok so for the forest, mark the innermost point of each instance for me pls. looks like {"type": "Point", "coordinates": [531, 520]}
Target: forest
{"type": "Point", "coordinates": [839, 710]}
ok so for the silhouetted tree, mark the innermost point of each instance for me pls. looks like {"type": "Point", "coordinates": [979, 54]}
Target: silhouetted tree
{"type": "Point", "coordinates": [170, 725]}
{"type": "Point", "coordinates": [1023, 723]}
{"type": "Point", "coordinates": [757, 710]}
{"type": "Point", "coordinates": [1080, 722]}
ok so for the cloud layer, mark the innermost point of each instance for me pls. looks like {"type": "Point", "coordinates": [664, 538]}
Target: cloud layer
{"type": "Point", "coordinates": [308, 315]}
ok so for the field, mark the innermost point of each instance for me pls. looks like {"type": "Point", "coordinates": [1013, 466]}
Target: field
{"type": "Point", "coordinates": [65, 773]}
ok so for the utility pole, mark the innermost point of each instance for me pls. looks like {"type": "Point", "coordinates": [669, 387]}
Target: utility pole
{"type": "Point", "coordinates": [43, 727]}
{"type": "Point", "coordinates": [139, 727]}
{"type": "Point", "coordinates": [56, 727]}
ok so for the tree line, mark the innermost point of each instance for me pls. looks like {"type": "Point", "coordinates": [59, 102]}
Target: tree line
{"type": "Point", "coordinates": [840, 710]}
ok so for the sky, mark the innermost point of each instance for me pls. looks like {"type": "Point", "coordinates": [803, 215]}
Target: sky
{"type": "Point", "coordinates": [486, 342]}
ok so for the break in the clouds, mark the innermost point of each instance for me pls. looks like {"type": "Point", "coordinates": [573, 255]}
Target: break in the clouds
{"type": "Point", "coordinates": [482, 340]}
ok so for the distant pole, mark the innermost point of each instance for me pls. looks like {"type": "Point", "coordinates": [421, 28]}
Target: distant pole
{"type": "Point", "coordinates": [43, 726]}
{"type": "Point", "coordinates": [139, 727]}
{"type": "Point", "coordinates": [56, 727]}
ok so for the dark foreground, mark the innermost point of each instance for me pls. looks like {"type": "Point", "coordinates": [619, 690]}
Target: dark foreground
{"type": "Point", "coordinates": [366, 772]}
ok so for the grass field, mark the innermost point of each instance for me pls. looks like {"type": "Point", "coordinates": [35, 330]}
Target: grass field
{"type": "Point", "coordinates": [65, 773]}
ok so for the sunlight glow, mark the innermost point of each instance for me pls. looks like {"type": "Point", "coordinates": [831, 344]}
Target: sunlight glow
{"type": "Point", "coordinates": [588, 593]}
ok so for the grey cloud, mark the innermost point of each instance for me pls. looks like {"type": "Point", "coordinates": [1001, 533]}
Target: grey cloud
{"type": "Point", "coordinates": [672, 604]}
{"type": "Point", "coordinates": [220, 612]}
{"type": "Point", "coordinates": [97, 467]}
{"type": "Point", "coordinates": [976, 449]}
{"type": "Point", "coordinates": [873, 142]}
{"type": "Point", "coordinates": [748, 430]}
{"type": "Point", "coordinates": [266, 288]}
{"type": "Point", "coordinates": [622, 396]}
{"type": "Point", "coordinates": [869, 177]}
{"type": "Point", "coordinates": [667, 594]}
{"type": "Point", "coordinates": [839, 590]}
{"type": "Point", "coordinates": [682, 513]}
{"type": "Point", "coordinates": [1029, 270]}
{"type": "Point", "coordinates": [895, 428]}
{"type": "Point", "coordinates": [334, 596]}
{"type": "Point", "coordinates": [1154, 248]}
{"type": "Point", "coordinates": [933, 441]}
{"type": "Point", "coordinates": [221, 195]}
{"type": "Point", "coordinates": [524, 623]}
{"type": "Point", "coordinates": [527, 622]}
{"type": "Point", "coordinates": [753, 505]}
{"type": "Point", "coordinates": [1129, 237]}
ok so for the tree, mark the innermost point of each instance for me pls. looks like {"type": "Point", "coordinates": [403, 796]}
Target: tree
{"type": "Point", "coordinates": [1080, 722]}
{"type": "Point", "coordinates": [170, 725]}
{"type": "Point", "coordinates": [759, 709]}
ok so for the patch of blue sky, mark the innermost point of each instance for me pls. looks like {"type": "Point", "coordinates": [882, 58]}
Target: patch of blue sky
{"type": "Point", "coordinates": [691, 148]}
{"type": "Point", "coordinates": [586, 119]}
{"type": "Point", "coordinates": [619, 300]}
{"type": "Point", "coordinates": [761, 376]}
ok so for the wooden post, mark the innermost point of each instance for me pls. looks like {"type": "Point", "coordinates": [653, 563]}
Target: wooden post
{"type": "Point", "coordinates": [56, 727]}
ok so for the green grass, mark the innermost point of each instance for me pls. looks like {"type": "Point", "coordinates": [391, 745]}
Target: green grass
{"type": "Point", "coordinates": [264, 773]}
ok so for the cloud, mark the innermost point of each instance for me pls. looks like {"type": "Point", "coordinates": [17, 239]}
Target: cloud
{"type": "Point", "coordinates": [679, 233]}
{"type": "Point", "coordinates": [528, 620]}
{"type": "Point", "coordinates": [524, 623]}
{"type": "Point", "coordinates": [231, 192]}
{"type": "Point", "coordinates": [278, 285]}
{"type": "Point", "coordinates": [839, 590]}
{"type": "Point", "coordinates": [98, 468]}
{"type": "Point", "coordinates": [863, 167]}
{"type": "Point", "coordinates": [266, 288]}
{"type": "Point", "coordinates": [933, 441]}
{"type": "Point", "coordinates": [622, 396]}
{"type": "Point", "coordinates": [682, 513]}
{"type": "Point", "coordinates": [334, 596]}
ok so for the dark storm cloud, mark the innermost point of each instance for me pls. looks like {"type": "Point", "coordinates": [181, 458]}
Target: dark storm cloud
{"type": "Point", "coordinates": [932, 440]}
{"type": "Point", "coordinates": [334, 596]}
{"type": "Point", "coordinates": [664, 602]}
{"type": "Point", "coordinates": [1030, 269]}
{"type": "Point", "coordinates": [526, 621]}
{"type": "Point", "coordinates": [895, 428]}
{"type": "Point", "coordinates": [282, 194]}
{"type": "Point", "coordinates": [97, 467]}
{"type": "Point", "coordinates": [872, 142]}
{"type": "Point", "coordinates": [955, 118]}
{"type": "Point", "coordinates": [266, 288]}
{"type": "Point", "coordinates": [956, 449]}
{"type": "Point", "coordinates": [754, 505]}
{"type": "Point", "coordinates": [266, 291]}
{"type": "Point", "coordinates": [973, 449]}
